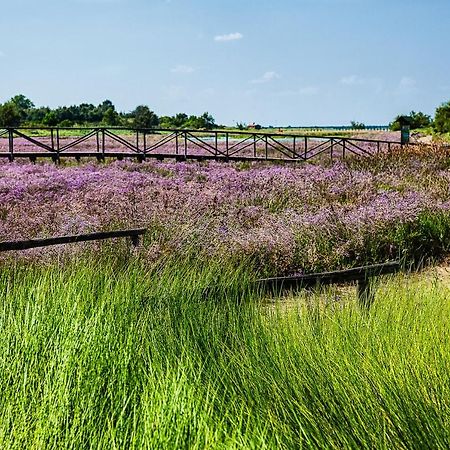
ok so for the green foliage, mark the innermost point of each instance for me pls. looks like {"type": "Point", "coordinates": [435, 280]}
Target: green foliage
{"type": "Point", "coordinates": [205, 121]}
{"type": "Point", "coordinates": [111, 117]}
{"type": "Point", "coordinates": [358, 125]}
{"type": "Point", "coordinates": [23, 104]}
{"type": "Point", "coordinates": [51, 119]}
{"type": "Point", "coordinates": [104, 354]}
{"type": "Point", "coordinates": [10, 115]}
{"type": "Point", "coordinates": [416, 120]}
{"type": "Point", "coordinates": [20, 110]}
{"type": "Point", "coordinates": [442, 118]}
{"type": "Point", "coordinates": [143, 117]}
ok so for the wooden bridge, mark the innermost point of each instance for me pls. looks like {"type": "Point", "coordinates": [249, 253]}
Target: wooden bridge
{"type": "Point", "coordinates": [181, 145]}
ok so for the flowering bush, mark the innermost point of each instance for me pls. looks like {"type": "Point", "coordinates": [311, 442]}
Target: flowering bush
{"type": "Point", "coordinates": [284, 218]}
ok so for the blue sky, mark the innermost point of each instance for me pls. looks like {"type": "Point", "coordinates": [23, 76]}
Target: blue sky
{"type": "Point", "coordinates": [276, 63]}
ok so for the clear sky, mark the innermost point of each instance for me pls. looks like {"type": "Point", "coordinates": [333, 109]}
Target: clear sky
{"type": "Point", "coordinates": [280, 62]}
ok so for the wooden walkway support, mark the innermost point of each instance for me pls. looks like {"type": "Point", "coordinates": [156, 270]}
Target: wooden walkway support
{"type": "Point", "coordinates": [362, 275]}
{"type": "Point", "coordinates": [134, 234]}
{"type": "Point", "coordinates": [181, 144]}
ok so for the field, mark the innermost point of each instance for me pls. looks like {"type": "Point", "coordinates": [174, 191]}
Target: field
{"type": "Point", "coordinates": [171, 346]}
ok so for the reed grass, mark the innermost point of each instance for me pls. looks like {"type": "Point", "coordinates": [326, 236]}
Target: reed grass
{"type": "Point", "coordinates": [107, 354]}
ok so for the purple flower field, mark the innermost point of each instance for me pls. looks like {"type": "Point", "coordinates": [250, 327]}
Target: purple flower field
{"type": "Point", "coordinates": [285, 218]}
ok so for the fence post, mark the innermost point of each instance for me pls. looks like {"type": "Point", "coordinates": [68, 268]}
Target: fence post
{"type": "Point", "coordinates": [98, 140]}
{"type": "Point", "coordinates": [11, 144]}
{"type": "Point", "coordinates": [216, 143]}
{"type": "Point", "coordinates": [226, 142]}
{"type": "Point", "coordinates": [135, 239]}
{"type": "Point", "coordinates": [366, 294]}
{"type": "Point", "coordinates": [103, 143]}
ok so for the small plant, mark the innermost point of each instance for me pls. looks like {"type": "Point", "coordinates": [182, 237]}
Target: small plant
{"type": "Point", "coordinates": [358, 125]}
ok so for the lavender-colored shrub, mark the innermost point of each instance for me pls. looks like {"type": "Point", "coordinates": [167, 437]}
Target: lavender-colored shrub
{"type": "Point", "coordinates": [284, 218]}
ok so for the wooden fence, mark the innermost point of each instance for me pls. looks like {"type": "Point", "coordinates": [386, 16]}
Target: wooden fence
{"type": "Point", "coordinates": [277, 285]}
{"type": "Point", "coordinates": [181, 145]}
{"type": "Point", "coordinates": [134, 234]}
{"type": "Point", "coordinates": [362, 275]}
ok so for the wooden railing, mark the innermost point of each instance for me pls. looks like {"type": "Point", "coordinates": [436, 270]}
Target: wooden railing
{"type": "Point", "coordinates": [362, 275]}
{"type": "Point", "coordinates": [134, 234]}
{"type": "Point", "coordinates": [221, 145]}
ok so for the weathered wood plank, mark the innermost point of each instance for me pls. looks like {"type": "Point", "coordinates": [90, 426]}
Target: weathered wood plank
{"type": "Point", "coordinates": [35, 243]}
{"type": "Point", "coordinates": [339, 276]}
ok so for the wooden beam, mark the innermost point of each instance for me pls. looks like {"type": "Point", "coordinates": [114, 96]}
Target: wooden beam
{"type": "Point", "coordinates": [361, 275]}
{"type": "Point", "coordinates": [35, 243]}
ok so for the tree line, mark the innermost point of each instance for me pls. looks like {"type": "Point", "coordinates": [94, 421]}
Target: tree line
{"type": "Point", "coordinates": [21, 111]}
{"type": "Point", "coordinates": [440, 123]}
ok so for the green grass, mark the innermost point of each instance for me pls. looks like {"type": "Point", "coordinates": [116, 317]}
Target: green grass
{"type": "Point", "coordinates": [103, 354]}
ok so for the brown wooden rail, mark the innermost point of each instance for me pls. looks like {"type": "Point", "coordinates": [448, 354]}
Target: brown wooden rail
{"type": "Point", "coordinates": [134, 234]}
{"type": "Point", "coordinates": [361, 275]}
{"type": "Point", "coordinates": [181, 144]}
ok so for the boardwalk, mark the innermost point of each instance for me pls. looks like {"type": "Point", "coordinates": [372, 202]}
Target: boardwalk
{"type": "Point", "coordinates": [110, 142]}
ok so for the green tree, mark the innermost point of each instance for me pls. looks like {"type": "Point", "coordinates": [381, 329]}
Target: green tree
{"type": "Point", "coordinates": [51, 119]}
{"type": "Point", "coordinates": [442, 118]}
{"type": "Point", "coordinates": [24, 106]}
{"type": "Point", "coordinates": [179, 121]}
{"type": "Point", "coordinates": [22, 102]}
{"type": "Point", "coordinates": [208, 121]}
{"type": "Point", "coordinates": [416, 119]}
{"type": "Point", "coordinates": [111, 117]}
{"type": "Point", "coordinates": [9, 115]}
{"type": "Point", "coordinates": [144, 117]}
{"type": "Point", "coordinates": [358, 125]}
{"type": "Point", "coordinates": [36, 115]}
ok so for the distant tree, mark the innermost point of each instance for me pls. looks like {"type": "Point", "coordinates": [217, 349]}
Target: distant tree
{"type": "Point", "coordinates": [144, 117]}
{"type": "Point", "coordinates": [442, 118]}
{"type": "Point", "coordinates": [9, 115]}
{"type": "Point", "coordinates": [36, 115]}
{"type": "Point", "coordinates": [24, 106]}
{"type": "Point", "coordinates": [66, 123]}
{"type": "Point", "coordinates": [165, 122]}
{"type": "Point", "coordinates": [208, 121]}
{"type": "Point", "coordinates": [416, 119]}
{"type": "Point", "coordinates": [179, 121]}
{"type": "Point", "coordinates": [22, 102]}
{"type": "Point", "coordinates": [111, 117]}
{"type": "Point", "coordinates": [358, 125]}
{"type": "Point", "coordinates": [241, 125]}
{"type": "Point", "coordinates": [51, 119]}
{"type": "Point", "coordinates": [106, 105]}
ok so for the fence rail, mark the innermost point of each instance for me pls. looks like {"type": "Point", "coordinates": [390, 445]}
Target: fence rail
{"type": "Point", "coordinates": [113, 142]}
{"type": "Point", "coordinates": [361, 275]}
{"type": "Point", "coordinates": [134, 234]}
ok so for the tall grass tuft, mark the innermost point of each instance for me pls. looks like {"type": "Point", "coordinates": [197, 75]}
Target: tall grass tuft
{"type": "Point", "coordinates": [100, 355]}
